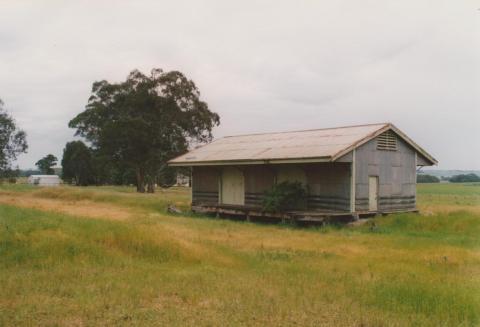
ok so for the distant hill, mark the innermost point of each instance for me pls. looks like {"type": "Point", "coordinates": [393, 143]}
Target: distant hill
{"type": "Point", "coordinates": [448, 173]}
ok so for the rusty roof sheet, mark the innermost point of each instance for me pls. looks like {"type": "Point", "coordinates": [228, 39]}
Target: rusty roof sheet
{"type": "Point", "coordinates": [308, 144]}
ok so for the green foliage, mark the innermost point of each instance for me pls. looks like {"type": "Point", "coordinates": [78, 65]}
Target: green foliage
{"type": "Point", "coordinates": [108, 172]}
{"type": "Point", "coordinates": [465, 178]}
{"type": "Point", "coordinates": [13, 141]}
{"type": "Point", "coordinates": [10, 175]}
{"type": "Point", "coordinates": [46, 164]}
{"type": "Point", "coordinates": [285, 196]}
{"type": "Point", "coordinates": [424, 178]}
{"type": "Point", "coordinates": [77, 164]}
{"type": "Point", "coordinates": [145, 121]}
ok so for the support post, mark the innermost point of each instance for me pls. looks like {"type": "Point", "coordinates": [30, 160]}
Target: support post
{"type": "Point", "coordinates": [352, 183]}
{"type": "Point", "coordinates": [415, 181]}
{"type": "Point", "coordinates": [191, 185]}
{"type": "Point", "coordinates": [220, 200]}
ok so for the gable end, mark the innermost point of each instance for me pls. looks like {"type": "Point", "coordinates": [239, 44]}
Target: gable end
{"type": "Point", "coordinates": [387, 141]}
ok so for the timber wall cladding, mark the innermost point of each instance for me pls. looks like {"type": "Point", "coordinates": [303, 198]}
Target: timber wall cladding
{"type": "Point", "coordinates": [328, 186]}
{"type": "Point", "coordinates": [396, 171]}
{"type": "Point", "coordinates": [205, 185]}
{"type": "Point", "coordinates": [258, 180]}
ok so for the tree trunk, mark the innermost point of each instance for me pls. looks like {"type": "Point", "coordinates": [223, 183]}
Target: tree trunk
{"type": "Point", "coordinates": [151, 185]}
{"type": "Point", "coordinates": [140, 180]}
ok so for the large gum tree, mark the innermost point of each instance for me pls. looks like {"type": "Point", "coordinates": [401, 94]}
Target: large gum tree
{"type": "Point", "coordinates": [145, 121]}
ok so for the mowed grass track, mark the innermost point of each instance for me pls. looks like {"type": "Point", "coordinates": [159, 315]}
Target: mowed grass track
{"type": "Point", "coordinates": [137, 265]}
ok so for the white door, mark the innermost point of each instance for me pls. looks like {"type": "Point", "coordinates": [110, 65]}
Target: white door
{"type": "Point", "coordinates": [372, 193]}
{"type": "Point", "coordinates": [233, 186]}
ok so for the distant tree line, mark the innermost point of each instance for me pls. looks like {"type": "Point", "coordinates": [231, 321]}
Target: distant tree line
{"type": "Point", "coordinates": [134, 127]}
{"type": "Point", "coordinates": [462, 178]}
{"type": "Point", "coordinates": [424, 178]}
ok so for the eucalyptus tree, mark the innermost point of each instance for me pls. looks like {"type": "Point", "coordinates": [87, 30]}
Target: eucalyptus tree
{"type": "Point", "coordinates": [145, 120]}
{"type": "Point", "coordinates": [46, 164]}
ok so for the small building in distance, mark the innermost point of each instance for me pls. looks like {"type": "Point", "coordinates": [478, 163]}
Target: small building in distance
{"type": "Point", "coordinates": [354, 170]}
{"type": "Point", "coordinates": [182, 180]}
{"type": "Point", "coordinates": [44, 180]}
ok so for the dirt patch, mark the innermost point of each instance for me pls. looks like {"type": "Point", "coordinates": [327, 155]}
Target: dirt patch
{"type": "Point", "coordinates": [82, 208]}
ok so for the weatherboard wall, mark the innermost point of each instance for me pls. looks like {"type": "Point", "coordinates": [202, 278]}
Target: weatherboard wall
{"type": "Point", "coordinates": [396, 171]}
{"type": "Point", "coordinates": [205, 185]}
{"type": "Point", "coordinates": [258, 180]}
{"type": "Point", "coordinates": [328, 184]}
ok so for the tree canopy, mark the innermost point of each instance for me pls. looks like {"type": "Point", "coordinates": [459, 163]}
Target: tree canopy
{"type": "Point", "coordinates": [145, 121]}
{"type": "Point", "coordinates": [77, 164]}
{"type": "Point", "coordinates": [46, 164]}
{"type": "Point", "coordinates": [13, 141]}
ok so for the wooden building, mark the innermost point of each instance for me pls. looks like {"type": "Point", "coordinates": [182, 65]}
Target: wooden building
{"type": "Point", "coordinates": [351, 170]}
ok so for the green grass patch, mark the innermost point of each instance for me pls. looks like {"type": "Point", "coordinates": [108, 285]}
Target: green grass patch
{"type": "Point", "coordinates": [461, 194]}
{"type": "Point", "coordinates": [459, 228]}
{"type": "Point", "coordinates": [156, 269]}
{"type": "Point", "coordinates": [34, 239]}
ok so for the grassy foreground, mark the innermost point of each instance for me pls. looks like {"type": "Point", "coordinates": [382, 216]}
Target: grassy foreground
{"type": "Point", "coordinates": [140, 266]}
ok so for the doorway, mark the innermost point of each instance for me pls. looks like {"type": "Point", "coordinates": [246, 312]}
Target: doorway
{"type": "Point", "coordinates": [233, 186]}
{"type": "Point", "coordinates": [372, 193]}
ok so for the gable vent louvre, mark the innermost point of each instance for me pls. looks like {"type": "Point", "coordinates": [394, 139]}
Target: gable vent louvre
{"type": "Point", "coordinates": [387, 141]}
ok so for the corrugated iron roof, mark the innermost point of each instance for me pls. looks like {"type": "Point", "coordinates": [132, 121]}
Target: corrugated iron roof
{"type": "Point", "coordinates": [328, 144]}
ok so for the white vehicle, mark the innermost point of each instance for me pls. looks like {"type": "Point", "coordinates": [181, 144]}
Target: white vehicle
{"type": "Point", "coordinates": [44, 180]}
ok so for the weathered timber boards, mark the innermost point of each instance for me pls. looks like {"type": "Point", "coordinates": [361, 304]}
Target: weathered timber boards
{"type": "Point", "coordinates": [204, 197]}
{"type": "Point", "coordinates": [328, 202]}
{"type": "Point", "coordinates": [254, 199]}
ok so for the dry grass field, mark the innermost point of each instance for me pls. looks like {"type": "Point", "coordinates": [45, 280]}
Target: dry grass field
{"type": "Point", "coordinates": [107, 256]}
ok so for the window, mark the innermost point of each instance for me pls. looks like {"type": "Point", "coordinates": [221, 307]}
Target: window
{"type": "Point", "coordinates": [387, 141]}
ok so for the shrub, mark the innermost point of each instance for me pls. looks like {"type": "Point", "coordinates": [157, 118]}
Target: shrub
{"type": "Point", "coordinates": [285, 196]}
{"type": "Point", "coordinates": [423, 178]}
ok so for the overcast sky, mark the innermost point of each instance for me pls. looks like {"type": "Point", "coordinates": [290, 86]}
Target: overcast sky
{"type": "Point", "coordinates": [261, 65]}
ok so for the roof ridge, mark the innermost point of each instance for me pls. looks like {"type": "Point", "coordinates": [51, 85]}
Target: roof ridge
{"type": "Point", "coordinates": [307, 130]}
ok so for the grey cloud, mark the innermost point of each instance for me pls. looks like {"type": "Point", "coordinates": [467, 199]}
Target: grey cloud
{"type": "Point", "coordinates": [262, 65]}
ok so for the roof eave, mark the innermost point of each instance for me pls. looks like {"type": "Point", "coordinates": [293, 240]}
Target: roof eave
{"type": "Point", "coordinates": [417, 147]}
{"type": "Point", "coordinates": [172, 163]}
